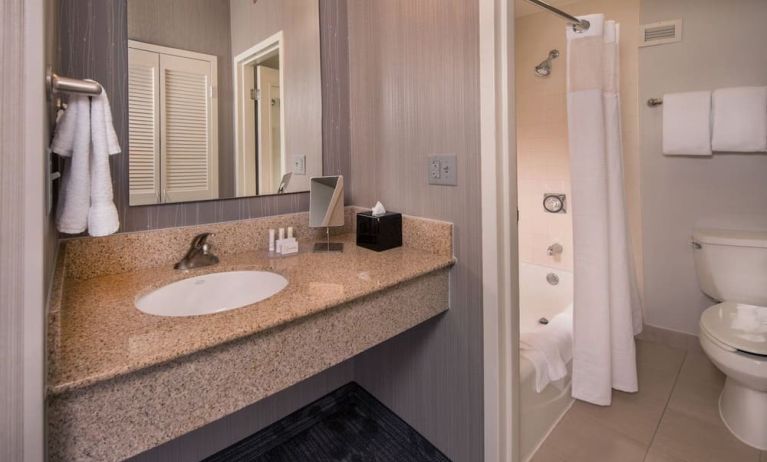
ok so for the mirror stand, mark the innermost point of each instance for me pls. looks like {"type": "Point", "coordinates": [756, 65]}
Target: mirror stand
{"type": "Point", "coordinates": [328, 246]}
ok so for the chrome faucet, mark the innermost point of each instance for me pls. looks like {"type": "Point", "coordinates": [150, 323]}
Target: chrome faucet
{"type": "Point", "coordinates": [554, 249]}
{"type": "Point", "coordinates": [198, 254]}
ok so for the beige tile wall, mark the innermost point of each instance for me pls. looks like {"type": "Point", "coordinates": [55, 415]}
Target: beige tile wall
{"type": "Point", "coordinates": [542, 148]}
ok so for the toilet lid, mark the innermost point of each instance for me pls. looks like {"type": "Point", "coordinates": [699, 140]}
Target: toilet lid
{"type": "Point", "coordinates": [741, 326]}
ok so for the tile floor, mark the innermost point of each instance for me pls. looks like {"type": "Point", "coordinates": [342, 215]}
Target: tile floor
{"type": "Point", "coordinates": [673, 418]}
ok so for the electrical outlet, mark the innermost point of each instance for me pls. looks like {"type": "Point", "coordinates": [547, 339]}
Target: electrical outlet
{"type": "Point", "coordinates": [443, 170]}
{"type": "Point", "coordinates": [435, 168]}
{"type": "Point", "coordinates": [299, 165]}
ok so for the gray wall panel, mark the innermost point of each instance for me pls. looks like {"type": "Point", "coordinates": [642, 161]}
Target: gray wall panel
{"type": "Point", "coordinates": [414, 80]}
{"type": "Point", "coordinates": [27, 245]}
{"type": "Point", "coordinates": [12, 229]}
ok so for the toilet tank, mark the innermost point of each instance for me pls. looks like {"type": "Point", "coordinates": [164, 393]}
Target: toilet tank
{"type": "Point", "coordinates": [732, 265]}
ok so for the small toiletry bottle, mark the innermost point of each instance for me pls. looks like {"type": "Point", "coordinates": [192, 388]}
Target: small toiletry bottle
{"type": "Point", "coordinates": [271, 240]}
{"type": "Point", "coordinates": [280, 239]}
{"type": "Point", "coordinates": [290, 232]}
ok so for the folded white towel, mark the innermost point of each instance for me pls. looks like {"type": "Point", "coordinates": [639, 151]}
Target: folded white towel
{"type": "Point", "coordinates": [73, 139]}
{"type": "Point", "coordinates": [687, 124]}
{"type": "Point", "coordinates": [102, 216]}
{"type": "Point", "coordinates": [549, 348]}
{"type": "Point", "coordinates": [740, 119]}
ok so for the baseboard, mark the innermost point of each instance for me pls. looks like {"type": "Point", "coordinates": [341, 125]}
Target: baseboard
{"type": "Point", "coordinates": [668, 337]}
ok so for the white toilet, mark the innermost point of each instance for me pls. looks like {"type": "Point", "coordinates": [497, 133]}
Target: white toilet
{"type": "Point", "coordinates": [732, 267]}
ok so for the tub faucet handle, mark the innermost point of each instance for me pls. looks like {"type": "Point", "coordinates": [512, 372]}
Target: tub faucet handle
{"type": "Point", "coordinates": [555, 249]}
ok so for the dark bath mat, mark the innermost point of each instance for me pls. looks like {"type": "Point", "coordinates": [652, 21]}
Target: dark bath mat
{"type": "Point", "coordinates": [347, 425]}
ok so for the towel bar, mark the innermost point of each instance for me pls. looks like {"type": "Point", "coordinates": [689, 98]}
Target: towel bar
{"type": "Point", "coordinates": [54, 84]}
{"type": "Point", "coordinates": [58, 84]}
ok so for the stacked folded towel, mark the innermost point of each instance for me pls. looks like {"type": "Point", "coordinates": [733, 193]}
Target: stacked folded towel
{"type": "Point", "coordinates": [85, 137]}
{"type": "Point", "coordinates": [687, 124]}
{"type": "Point", "coordinates": [549, 348]}
{"type": "Point", "coordinates": [727, 120]}
{"type": "Point", "coordinates": [740, 119]}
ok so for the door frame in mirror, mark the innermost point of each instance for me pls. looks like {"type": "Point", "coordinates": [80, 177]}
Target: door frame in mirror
{"type": "Point", "coordinates": [245, 179]}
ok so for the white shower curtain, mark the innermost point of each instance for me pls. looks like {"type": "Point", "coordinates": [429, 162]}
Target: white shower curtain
{"type": "Point", "coordinates": [607, 314]}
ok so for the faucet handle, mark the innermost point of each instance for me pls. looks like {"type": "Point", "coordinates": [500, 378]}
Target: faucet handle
{"type": "Point", "coordinates": [201, 240]}
{"type": "Point", "coordinates": [198, 254]}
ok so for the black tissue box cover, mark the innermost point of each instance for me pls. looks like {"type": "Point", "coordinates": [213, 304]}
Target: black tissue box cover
{"type": "Point", "coordinates": [379, 233]}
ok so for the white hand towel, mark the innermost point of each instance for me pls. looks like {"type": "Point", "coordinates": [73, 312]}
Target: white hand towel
{"type": "Point", "coordinates": [63, 137]}
{"type": "Point", "coordinates": [687, 124]}
{"type": "Point", "coordinates": [74, 200]}
{"type": "Point", "coordinates": [102, 216]}
{"type": "Point", "coordinates": [740, 119]}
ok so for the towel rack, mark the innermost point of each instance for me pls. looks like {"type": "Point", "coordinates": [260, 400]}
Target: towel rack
{"type": "Point", "coordinates": [54, 84]}
{"type": "Point", "coordinates": [58, 84]}
{"type": "Point", "coordinates": [652, 102]}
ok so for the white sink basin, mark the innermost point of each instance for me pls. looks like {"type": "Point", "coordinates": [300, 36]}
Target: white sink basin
{"type": "Point", "coordinates": [211, 293]}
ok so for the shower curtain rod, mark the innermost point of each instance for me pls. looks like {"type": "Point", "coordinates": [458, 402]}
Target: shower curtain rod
{"type": "Point", "coordinates": [578, 24]}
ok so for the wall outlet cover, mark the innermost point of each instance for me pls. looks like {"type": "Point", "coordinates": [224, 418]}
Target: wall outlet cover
{"type": "Point", "coordinates": [443, 169]}
{"type": "Point", "coordinates": [299, 165]}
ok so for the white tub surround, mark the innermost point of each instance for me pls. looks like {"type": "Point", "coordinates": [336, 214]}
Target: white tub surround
{"type": "Point", "coordinates": [544, 293]}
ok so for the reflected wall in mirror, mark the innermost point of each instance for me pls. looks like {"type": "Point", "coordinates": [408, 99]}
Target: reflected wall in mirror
{"type": "Point", "coordinates": [224, 99]}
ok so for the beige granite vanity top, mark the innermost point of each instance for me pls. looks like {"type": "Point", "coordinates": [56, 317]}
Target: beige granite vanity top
{"type": "Point", "coordinates": [101, 335]}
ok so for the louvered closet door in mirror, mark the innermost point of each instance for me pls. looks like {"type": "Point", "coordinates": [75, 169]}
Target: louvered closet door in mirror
{"type": "Point", "coordinates": [188, 129]}
{"type": "Point", "coordinates": [144, 119]}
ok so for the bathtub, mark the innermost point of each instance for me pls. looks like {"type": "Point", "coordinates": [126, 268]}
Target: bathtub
{"type": "Point", "coordinates": [538, 299]}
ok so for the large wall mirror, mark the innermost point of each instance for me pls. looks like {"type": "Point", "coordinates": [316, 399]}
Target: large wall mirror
{"type": "Point", "coordinates": [224, 98]}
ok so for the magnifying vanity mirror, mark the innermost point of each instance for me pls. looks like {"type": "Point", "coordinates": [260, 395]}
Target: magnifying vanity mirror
{"type": "Point", "coordinates": [326, 209]}
{"type": "Point", "coordinates": [224, 99]}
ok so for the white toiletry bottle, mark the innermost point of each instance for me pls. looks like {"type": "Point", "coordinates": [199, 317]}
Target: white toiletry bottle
{"type": "Point", "coordinates": [290, 232]}
{"type": "Point", "coordinates": [271, 240]}
{"type": "Point", "coordinates": [280, 238]}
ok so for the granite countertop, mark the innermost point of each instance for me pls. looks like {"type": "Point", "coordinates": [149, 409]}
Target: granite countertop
{"type": "Point", "coordinates": [101, 335]}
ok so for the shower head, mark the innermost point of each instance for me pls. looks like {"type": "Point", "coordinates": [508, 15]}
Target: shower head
{"type": "Point", "coordinates": [544, 68]}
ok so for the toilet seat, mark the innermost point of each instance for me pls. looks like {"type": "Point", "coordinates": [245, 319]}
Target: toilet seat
{"type": "Point", "coordinates": [739, 326]}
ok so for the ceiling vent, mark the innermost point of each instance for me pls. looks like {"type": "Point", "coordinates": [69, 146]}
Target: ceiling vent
{"type": "Point", "coordinates": [660, 33]}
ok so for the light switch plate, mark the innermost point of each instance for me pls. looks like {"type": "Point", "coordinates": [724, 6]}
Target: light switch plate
{"type": "Point", "coordinates": [299, 165]}
{"type": "Point", "coordinates": [442, 170]}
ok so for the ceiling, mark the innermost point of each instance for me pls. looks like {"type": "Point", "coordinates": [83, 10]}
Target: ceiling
{"type": "Point", "coordinates": [524, 8]}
